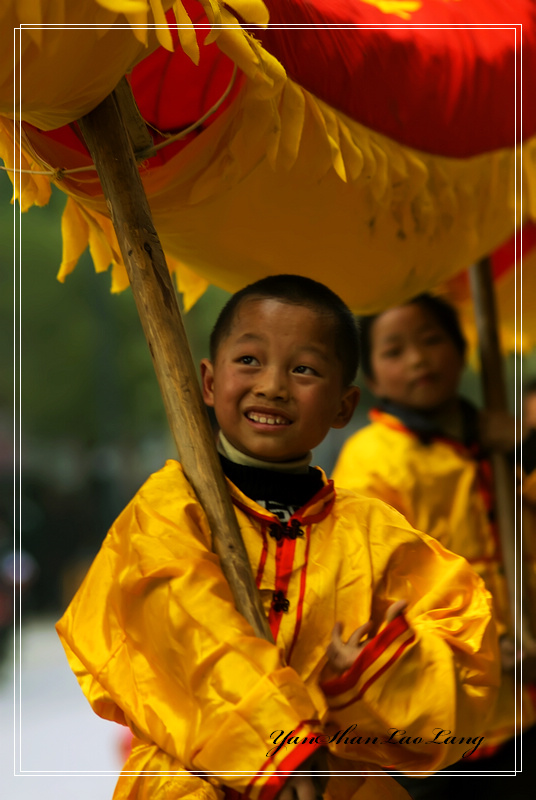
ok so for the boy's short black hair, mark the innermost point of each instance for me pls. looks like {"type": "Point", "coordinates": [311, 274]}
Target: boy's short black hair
{"type": "Point", "coordinates": [444, 314]}
{"type": "Point", "coordinates": [300, 291]}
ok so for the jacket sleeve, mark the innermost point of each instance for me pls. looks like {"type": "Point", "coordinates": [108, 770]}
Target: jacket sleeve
{"type": "Point", "coordinates": [430, 674]}
{"type": "Point", "coordinates": [156, 643]}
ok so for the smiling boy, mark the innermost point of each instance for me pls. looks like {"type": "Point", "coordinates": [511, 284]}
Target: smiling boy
{"type": "Point", "coordinates": [281, 373]}
{"type": "Point", "coordinates": [375, 625]}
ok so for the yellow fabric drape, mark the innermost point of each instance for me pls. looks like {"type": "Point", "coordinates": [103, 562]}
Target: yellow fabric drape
{"type": "Point", "coordinates": [280, 182]}
{"type": "Point", "coordinates": [319, 189]}
{"type": "Point", "coordinates": [156, 643]}
{"type": "Point", "coordinates": [66, 70]}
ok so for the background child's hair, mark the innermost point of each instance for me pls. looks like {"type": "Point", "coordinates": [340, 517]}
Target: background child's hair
{"type": "Point", "coordinates": [444, 314]}
{"type": "Point", "coordinates": [300, 291]}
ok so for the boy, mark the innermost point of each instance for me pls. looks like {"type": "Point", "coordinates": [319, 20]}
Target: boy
{"type": "Point", "coordinates": [423, 454]}
{"type": "Point", "coordinates": [156, 643]}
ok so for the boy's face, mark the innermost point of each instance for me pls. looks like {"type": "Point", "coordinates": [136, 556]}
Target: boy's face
{"type": "Point", "coordinates": [276, 383]}
{"type": "Point", "coordinates": [414, 361]}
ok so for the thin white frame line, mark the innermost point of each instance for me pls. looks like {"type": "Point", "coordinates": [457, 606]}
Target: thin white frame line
{"type": "Point", "coordinates": [20, 427]}
{"type": "Point", "coordinates": [483, 27]}
{"type": "Point", "coordinates": [516, 621]}
{"type": "Point", "coordinates": [517, 539]}
{"type": "Point", "coordinates": [25, 26]}
{"type": "Point", "coordinates": [105, 773]}
{"type": "Point", "coordinates": [273, 26]}
{"type": "Point", "coordinates": [15, 379]}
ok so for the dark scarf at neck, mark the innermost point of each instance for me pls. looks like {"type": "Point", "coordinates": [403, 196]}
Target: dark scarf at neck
{"type": "Point", "coordinates": [427, 428]}
{"type": "Point", "coordinates": [269, 485]}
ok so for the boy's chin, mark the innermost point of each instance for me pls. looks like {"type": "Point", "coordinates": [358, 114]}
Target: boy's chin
{"type": "Point", "coordinates": [271, 455]}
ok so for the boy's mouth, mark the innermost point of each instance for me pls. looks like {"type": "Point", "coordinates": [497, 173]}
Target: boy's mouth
{"type": "Point", "coordinates": [425, 380]}
{"type": "Point", "coordinates": [267, 419]}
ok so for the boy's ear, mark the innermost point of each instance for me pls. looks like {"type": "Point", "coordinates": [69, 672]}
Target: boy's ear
{"type": "Point", "coordinates": [349, 401]}
{"type": "Point", "coordinates": [207, 381]}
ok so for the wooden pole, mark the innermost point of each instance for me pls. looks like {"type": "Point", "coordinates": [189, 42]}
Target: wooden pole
{"type": "Point", "coordinates": [494, 389]}
{"type": "Point", "coordinates": [109, 144]}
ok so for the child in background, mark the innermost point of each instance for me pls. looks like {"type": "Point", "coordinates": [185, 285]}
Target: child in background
{"type": "Point", "coordinates": [384, 641]}
{"type": "Point", "coordinates": [424, 454]}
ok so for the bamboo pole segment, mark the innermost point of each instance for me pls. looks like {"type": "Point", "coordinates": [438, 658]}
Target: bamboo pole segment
{"type": "Point", "coordinates": [494, 389]}
{"type": "Point", "coordinates": [109, 144]}
{"type": "Point", "coordinates": [140, 138]}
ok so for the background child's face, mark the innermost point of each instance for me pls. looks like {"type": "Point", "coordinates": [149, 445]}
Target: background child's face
{"type": "Point", "coordinates": [414, 361]}
{"type": "Point", "coordinates": [276, 383]}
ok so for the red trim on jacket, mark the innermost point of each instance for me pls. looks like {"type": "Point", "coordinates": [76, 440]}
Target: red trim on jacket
{"type": "Point", "coordinates": [290, 763]}
{"type": "Point", "coordinates": [284, 562]}
{"type": "Point", "coordinates": [303, 581]}
{"type": "Point", "coordinates": [386, 666]}
{"type": "Point", "coordinates": [301, 514]}
{"type": "Point", "coordinates": [372, 651]}
{"type": "Point", "coordinates": [275, 782]}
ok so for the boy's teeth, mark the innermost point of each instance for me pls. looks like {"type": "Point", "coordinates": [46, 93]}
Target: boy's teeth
{"type": "Point", "coordinates": [267, 420]}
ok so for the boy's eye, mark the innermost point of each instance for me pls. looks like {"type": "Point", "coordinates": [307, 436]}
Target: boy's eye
{"type": "Point", "coordinates": [248, 360]}
{"type": "Point", "coordinates": [392, 352]}
{"type": "Point", "coordinates": [304, 370]}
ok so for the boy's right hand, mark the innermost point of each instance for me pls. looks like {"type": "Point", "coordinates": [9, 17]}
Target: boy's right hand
{"type": "Point", "coordinates": [341, 655]}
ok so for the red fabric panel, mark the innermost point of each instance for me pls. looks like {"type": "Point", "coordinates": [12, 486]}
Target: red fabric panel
{"type": "Point", "coordinates": [171, 91]}
{"type": "Point", "coordinates": [449, 92]}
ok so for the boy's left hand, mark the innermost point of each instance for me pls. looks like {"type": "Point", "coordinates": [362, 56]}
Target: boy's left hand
{"type": "Point", "coordinates": [341, 655]}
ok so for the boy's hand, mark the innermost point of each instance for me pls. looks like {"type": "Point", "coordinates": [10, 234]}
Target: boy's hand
{"type": "Point", "coordinates": [307, 787]}
{"type": "Point", "coordinates": [341, 655]}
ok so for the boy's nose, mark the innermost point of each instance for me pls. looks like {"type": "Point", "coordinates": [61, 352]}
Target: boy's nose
{"type": "Point", "coordinates": [417, 356]}
{"type": "Point", "coordinates": [272, 384]}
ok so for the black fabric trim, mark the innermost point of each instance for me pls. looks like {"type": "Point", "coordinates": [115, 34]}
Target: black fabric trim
{"type": "Point", "coordinates": [427, 429]}
{"type": "Point", "coordinates": [286, 488]}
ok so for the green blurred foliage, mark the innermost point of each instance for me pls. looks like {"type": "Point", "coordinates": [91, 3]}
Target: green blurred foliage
{"type": "Point", "coordinates": [85, 367]}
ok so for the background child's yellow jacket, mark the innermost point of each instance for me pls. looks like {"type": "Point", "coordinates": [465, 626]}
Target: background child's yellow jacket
{"type": "Point", "coordinates": [156, 643]}
{"type": "Point", "coordinates": [441, 488]}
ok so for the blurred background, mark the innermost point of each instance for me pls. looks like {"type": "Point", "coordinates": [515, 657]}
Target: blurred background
{"type": "Point", "coordinates": [92, 428]}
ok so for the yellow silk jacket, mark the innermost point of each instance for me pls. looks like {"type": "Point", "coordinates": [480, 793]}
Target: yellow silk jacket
{"type": "Point", "coordinates": [156, 643]}
{"type": "Point", "coordinates": [443, 489]}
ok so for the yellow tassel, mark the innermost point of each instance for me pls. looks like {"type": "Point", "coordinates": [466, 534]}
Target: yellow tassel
{"type": "Point", "coordinates": [187, 32]}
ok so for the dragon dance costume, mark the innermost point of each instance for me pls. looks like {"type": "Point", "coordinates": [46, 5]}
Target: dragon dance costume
{"type": "Point", "coordinates": [156, 643]}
